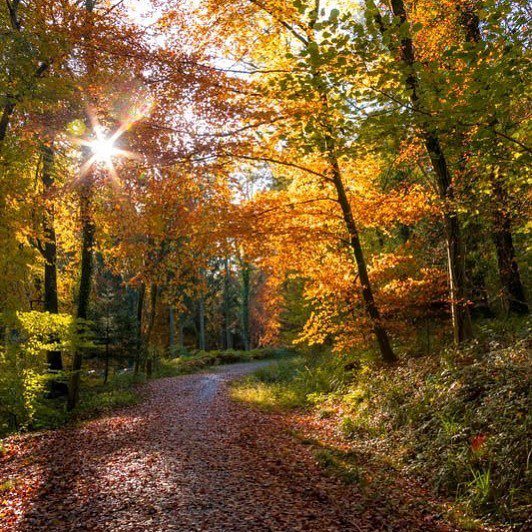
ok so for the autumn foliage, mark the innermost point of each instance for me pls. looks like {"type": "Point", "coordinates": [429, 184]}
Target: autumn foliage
{"type": "Point", "coordinates": [195, 162]}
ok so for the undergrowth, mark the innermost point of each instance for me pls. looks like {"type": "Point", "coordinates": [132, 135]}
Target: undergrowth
{"type": "Point", "coordinates": [169, 367]}
{"type": "Point", "coordinates": [459, 419]}
{"type": "Point", "coordinates": [292, 383]}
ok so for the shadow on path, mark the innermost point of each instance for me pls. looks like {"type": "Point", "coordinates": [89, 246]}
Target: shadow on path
{"type": "Point", "coordinates": [189, 459]}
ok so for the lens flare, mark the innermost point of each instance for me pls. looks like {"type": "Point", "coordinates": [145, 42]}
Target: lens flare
{"type": "Point", "coordinates": [102, 143]}
{"type": "Point", "coordinates": [103, 149]}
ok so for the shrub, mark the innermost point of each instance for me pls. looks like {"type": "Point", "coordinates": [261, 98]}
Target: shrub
{"type": "Point", "coordinates": [23, 368]}
{"type": "Point", "coordinates": [464, 423]}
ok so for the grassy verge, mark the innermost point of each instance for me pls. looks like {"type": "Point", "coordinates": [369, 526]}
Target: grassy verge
{"type": "Point", "coordinates": [292, 383]}
{"type": "Point", "coordinates": [170, 367]}
{"type": "Point", "coordinates": [460, 420]}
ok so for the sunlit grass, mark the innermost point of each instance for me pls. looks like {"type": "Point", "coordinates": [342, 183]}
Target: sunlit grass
{"type": "Point", "coordinates": [267, 396]}
{"type": "Point", "coordinates": [294, 383]}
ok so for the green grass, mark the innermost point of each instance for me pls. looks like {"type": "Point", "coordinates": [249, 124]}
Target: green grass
{"type": "Point", "coordinates": [97, 399]}
{"type": "Point", "coordinates": [295, 383]}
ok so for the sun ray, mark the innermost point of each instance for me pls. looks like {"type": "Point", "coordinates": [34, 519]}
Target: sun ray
{"type": "Point", "coordinates": [102, 147]}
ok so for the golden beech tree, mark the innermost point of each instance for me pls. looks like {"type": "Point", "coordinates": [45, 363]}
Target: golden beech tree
{"type": "Point", "coordinates": [320, 87]}
{"type": "Point", "coordinates": [304, 217]}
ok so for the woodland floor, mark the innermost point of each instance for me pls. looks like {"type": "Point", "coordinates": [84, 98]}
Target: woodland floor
{"type": "Point", "coordinates": [188, 458]}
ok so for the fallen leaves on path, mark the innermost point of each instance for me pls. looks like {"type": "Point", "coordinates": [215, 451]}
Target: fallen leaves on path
{"type": "Point", "coordinates": [187, 459]}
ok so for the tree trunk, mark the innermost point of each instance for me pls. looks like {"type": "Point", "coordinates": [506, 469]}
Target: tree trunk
{"type": "Point", "coordinates": [227, 336]}
{"type": "Point", "coordinates": [171, 327]}
{"type": "Point", "coordinates": [512, 287]}
{"type": "Point", "coordinates": [462, 329]}
{"type": "Point", "coordinates": [510, 277]}
{"type": "Point", "coordinates": [49, 252]}
{"type": "Point", "coordinates": [48, 249]}
{"type": "Point", "coordinates": [140, 308]}
{"type": "Point", "coordinates": [88, 231]}
{"type": "Point", "coordinates": [106, 367]}
{"type": "Point", "coordinates": [201, 318]}
{"type": "Point", "coordinates": [153, 309]}
{"type": "Point", "coordinates": [246, 333]}
{"type": "Point", "coordinates": [372, 310]}
{"type": "Point", "coordinates": [469, 20]}
{"type": "Point", "coordinates": [9, 108]}
{"type": "Point", "coordinates": [4, 120]}
{"type": "Point", "coordinates": [181, 334]}
{"type": "Point", "coordinates": [476, 278]}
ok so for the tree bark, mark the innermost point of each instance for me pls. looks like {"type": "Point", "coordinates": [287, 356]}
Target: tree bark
{"type": "Point", "coordinates": [49, 252]}
{"type": "Point", "coordinates": [4, 120]}
{"type": "Point", "coordinates": [107, 342]}
{"type": "Point", "coordinates": [88, 231]}
{"type": "Point", "coordinates": [461, 319]}
{"type": "Point", "coordinates": [246, 333]}
{"type": "Point", "coordinates": [171, 328]}
{"type": "Point", "coordinates": [509, 275]}
{"type": "Point", "coordinates": [153, 309]}
{"type": "Point", "coordinates": [201, 319]}
{"type": "Point", "coordinates": [9, 108]}
{"type": "Point", "coordinates": [140, 309]}
{"type": "Point", "coordinates": [48, 249]}
{"type": "Point", "coordinates": [227, 337]}
{"type": "Point", "coordinates": [469, 20]}
{"type": "Point", "coordinates": [181, 334]}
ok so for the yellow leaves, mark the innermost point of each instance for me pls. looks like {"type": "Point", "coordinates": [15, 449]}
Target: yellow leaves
{"type": "Point", "coordinates": [43, 330]}
{"type": "Point", "coordinates": [76, 128]}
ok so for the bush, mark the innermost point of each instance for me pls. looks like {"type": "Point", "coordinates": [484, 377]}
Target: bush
{"type": "Point", "coordinates": [23, 375]}
{"type": "Point", "coordinates": [462, 422]}
{"type": "Point", "coordinates": [23, 368]}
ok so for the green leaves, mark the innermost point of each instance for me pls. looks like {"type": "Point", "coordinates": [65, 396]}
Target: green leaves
{"type": "Point", "coordinates": [333, 17]}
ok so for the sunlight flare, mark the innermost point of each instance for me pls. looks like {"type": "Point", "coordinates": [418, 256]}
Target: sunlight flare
{"type": "Point", "coordinates": [103, 149]}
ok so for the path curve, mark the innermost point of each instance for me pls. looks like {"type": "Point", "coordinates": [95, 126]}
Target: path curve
{"type": "Point", "coordinates": [186, 459]}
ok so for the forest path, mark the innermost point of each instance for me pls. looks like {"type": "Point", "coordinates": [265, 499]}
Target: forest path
{"type": "Point", "coordinates": [188, 459]}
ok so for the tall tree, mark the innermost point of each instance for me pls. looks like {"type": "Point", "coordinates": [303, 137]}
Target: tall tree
{"type": "Point", "coordinates": [245, 272]}
{"type": "Point", "coordinates": [398, 33]}
{"type": "Point", "coordinates": [512, 287]}
{"type": "Point", "coordinates": [48, 249]}
{"type": "Point", "coordinates": [226, 307]}
{"type": "Point", "coordinates": [88, 230]}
